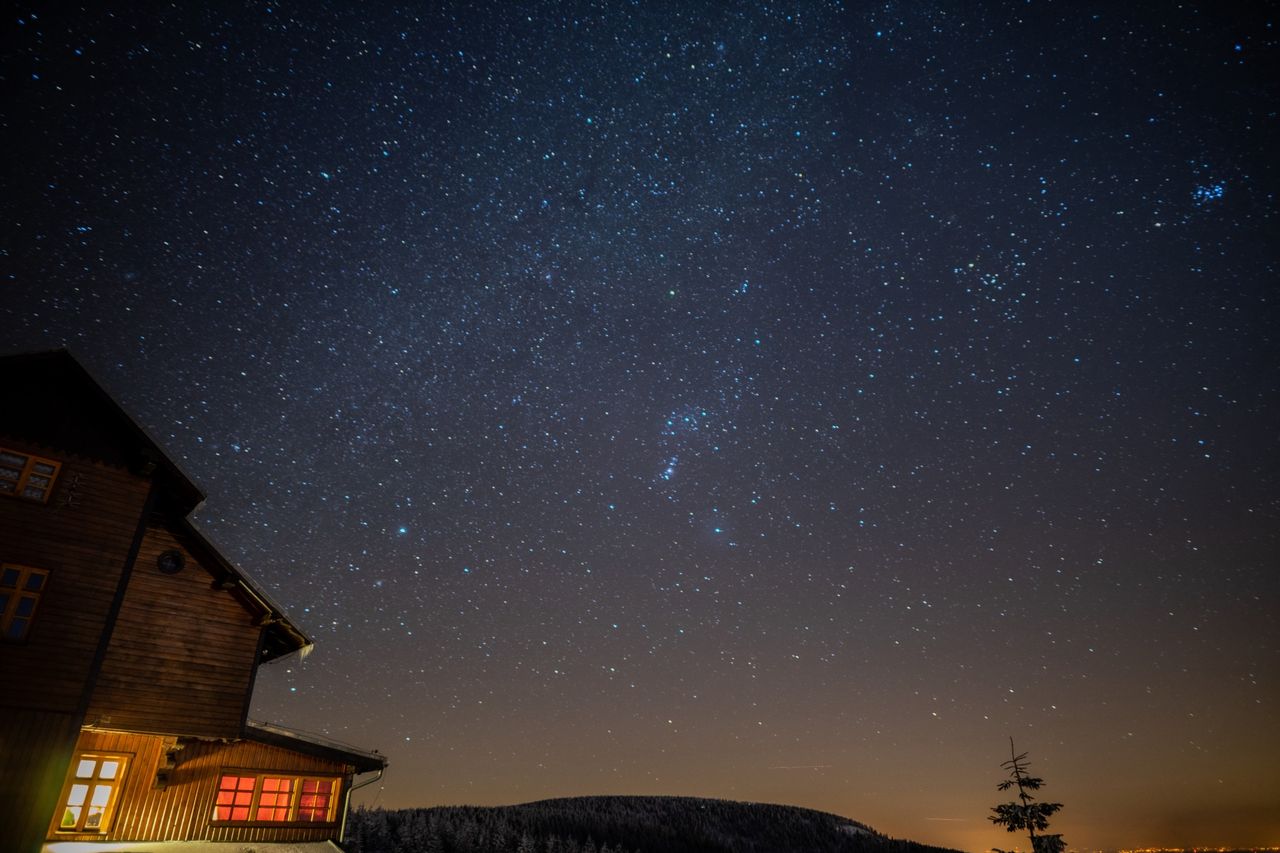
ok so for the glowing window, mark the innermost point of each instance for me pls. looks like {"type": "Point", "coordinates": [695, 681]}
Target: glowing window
{"type": "Point", "coordinates": [315, 803]}
{"type": "Point", "coordinates": [235, 796]}
{"type": "Point", "coordinates": [25, 476]}
{"type": "Point", "coordinates": [90, 795]}
{"type": "Point", "coordinates": [275, 799]}
{"type": "Point", "coordinates": [20, 591]}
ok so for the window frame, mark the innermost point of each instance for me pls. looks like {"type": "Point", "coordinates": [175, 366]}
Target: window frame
{"type": "Point", "coordinates": [294, 807]}
{"type": "Point", "coordinates": [114, 784]}
{"type": "Point", "coordinates": [17, 593]}
{"type": "Point", "coordinates": [27, 471]}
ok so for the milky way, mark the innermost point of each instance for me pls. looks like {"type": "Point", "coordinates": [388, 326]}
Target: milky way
{"type": "Point", "coordinates": [772, 402]}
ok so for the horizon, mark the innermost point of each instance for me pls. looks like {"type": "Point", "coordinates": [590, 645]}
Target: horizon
{"type": "Point", "coordinates": [767, 402]}
{"type": "Point", "coordinates": [1007, 849]}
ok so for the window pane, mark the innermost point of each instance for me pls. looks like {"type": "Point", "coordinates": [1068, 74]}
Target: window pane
{"type": "Point", "coordinates": [101, 795]}
{"type": "Point", "coordinates": [12, 460]}
{"type": "Point", "coordinates": [17, 629]}
{"type": "Point", "coordinates": [33, 493]}
{"type": "Point", "coordinates": [4, 602]}
{"type": "Point", "coordinates": [37, 480]}
{"type": "Point", "coordinates": [9, 578]}
{"type": "Point", "coordinates": [313, 805]}
{"type": "Point", "coordinates": [77, 795]}
{"type": "Point", "coordinates": [94, 820]}
{"type": "Point", "coordinates": [34, 581]}
{"type": "Point", "coordinates": [70, 816]}
{"type": "Point", "coordinates": [84, 770]}
{"type": "Point", "coordinates": [26, 605]}
{"type": "Point", "coordinates": [5, 486]}
{"type": "Point", "coordinates": [109, 769]}
{"type": "Point", "coordinates": [43, 468]}
{"type": "Point", "coordinates": [8, 475]}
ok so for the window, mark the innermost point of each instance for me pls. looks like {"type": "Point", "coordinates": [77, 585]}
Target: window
{"type": "Point", "coordinates": [91, 792]}
{"type": "Point", "coordinates": [235, 797]}
{"type": "Point", "coordinates": [275, 799]}
{"type": "Point", "coordinates": [316, 801]}
{"type": "Point", "coordinates": [20, 589]}
{"type": "Point", "coordinates": [25, 476]}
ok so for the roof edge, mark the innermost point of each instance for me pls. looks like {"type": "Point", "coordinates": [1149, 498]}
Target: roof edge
{"type": "Point", "coordinates": [315, 745]}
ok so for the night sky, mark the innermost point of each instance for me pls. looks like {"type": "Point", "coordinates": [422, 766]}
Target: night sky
{"type": "Point", "coordinates": [783, 402]}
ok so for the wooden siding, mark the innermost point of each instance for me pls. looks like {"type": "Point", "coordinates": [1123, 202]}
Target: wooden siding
{"type": "Point", "coordinates": [82, 537]}
{"type": "Point", "coordinates": [183, 809]}
{"type": "Point", "coordinates": [35, 747]}
{"type": "Point", "coordinates": [182, 657]}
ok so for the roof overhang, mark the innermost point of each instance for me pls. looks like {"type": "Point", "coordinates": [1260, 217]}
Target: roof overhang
{"type": "Point", "coordinates": [46, 372]}
{"type": "Point", "coordinates": [314, 745]}
{"type": "Point", "coordinates": [282, 636]}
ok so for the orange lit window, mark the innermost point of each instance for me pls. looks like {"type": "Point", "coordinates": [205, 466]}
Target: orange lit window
{"type": "Point", "coordinates": [91, 792]}
{"type": "Point", "coordinates": [25, 476]}
{"type": "Point", "coordinates": [275, 799]}
{"type": "Point", "coordinates": [315, 803]}
{"type": "Point", "coordinates": [20, 590]}
{"type": "Point", "coordinates": [235, 795]}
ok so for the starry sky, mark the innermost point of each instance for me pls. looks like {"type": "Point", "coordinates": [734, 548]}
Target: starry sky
{"type": "Point", "coordinates": [783, 402]}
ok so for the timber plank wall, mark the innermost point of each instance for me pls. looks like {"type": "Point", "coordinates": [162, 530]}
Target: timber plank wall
{"type": "Point", "coordinates": [183, 809]}
{"type": "Point", "coordinates": [82, 538]}
{"type": "Point", "coordinates": [182, 656]}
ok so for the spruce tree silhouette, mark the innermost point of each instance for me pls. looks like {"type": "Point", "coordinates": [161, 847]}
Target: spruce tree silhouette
{"type": "Point", "coordinates": [1025, 814]}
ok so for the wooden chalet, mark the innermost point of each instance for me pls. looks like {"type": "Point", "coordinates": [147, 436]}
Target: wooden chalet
{"type": "Point", "coordinates": [129, 646]}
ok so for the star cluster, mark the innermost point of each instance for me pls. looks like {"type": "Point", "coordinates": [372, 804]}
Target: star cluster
{"type": "Point", "coordinates": [772, 402]}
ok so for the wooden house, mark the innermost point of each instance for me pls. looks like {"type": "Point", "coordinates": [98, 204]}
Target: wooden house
{"type": "Point", "coordinates": [129, 646]}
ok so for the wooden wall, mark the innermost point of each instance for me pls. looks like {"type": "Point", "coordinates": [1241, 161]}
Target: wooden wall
{"type": "Point", "coordinates": [183, 653]}
{"type": "Point", "coordinates": [183, 810]}
{"type": "Point", "coordinates": [35, 747]}
{"type": "Point", "coordinates": [82, 537]}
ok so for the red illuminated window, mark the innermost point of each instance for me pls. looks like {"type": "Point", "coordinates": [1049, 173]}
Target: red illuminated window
{"type": "Point", "coordinates": [315, 803]}
{"type": "Point", "coordinates": [275, 799]}
{"type": "Point", "coordinates": [235, 796]}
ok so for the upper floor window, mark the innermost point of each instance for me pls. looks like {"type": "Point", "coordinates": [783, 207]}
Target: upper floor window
{"type": "Point", "coordinates": [25, 476]}
{"type": "Point", "coordinates": [273, 798]}
{"type": "Point", "coordinates": [20, 590]}
{"type": "Point", "coordinates": [90, 795]}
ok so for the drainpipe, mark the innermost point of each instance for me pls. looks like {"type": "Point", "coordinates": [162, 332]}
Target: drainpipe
{"type": "Point", "coordinates": [346, 801]}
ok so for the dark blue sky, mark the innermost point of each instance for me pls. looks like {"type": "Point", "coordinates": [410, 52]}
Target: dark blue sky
{"type": "Point", "coordinates": [774, 402]}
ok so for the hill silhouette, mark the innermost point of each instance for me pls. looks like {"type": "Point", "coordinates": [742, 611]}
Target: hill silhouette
{"type": "Point", "coordinates": [617, 825]}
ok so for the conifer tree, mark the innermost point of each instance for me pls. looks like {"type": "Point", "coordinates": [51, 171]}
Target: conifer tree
{"type": "Point", "coordinates": [1025, 813]}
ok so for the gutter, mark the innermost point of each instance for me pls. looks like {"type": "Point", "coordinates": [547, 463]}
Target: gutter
{"type": "Point", "coordinates": [346, 801]}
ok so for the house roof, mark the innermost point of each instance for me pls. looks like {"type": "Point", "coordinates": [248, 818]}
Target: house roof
{"type": "Point", "coordinates": [58, 396]}
{"type": "Point", "coordinates": [283, 637]}
{"type": "Point", "coordinates": [313, 744]}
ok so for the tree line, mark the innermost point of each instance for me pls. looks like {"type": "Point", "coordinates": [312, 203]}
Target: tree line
{"type": "Point", "coordinates": [616, 825]}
